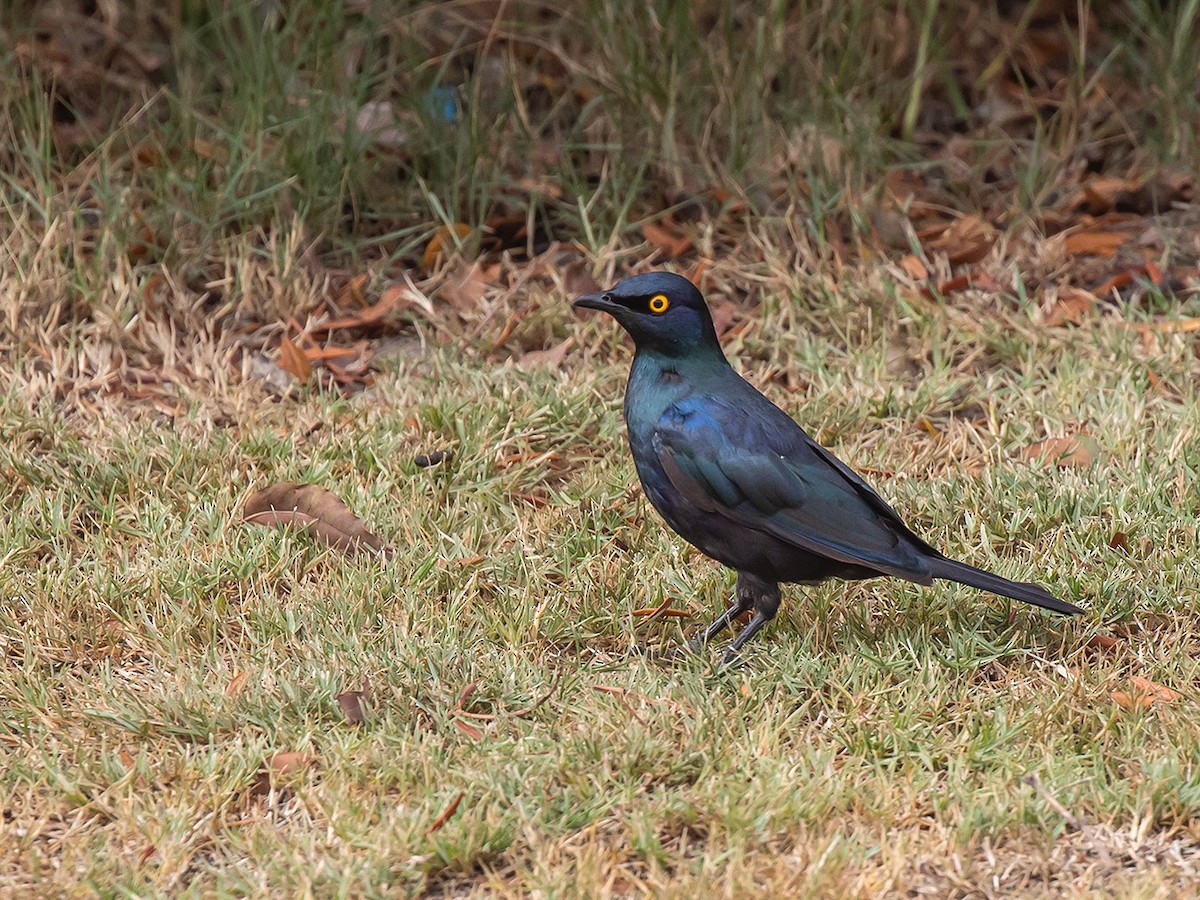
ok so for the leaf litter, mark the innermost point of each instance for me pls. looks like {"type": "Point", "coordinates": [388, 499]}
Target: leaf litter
{"type": "Point", "coordinates": [315, 509]}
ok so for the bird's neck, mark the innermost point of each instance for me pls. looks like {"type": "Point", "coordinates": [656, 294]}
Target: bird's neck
{"type": "Point", "coordinates": [697, 362]}
{"type": "Point", "coordinates": [657, 380]}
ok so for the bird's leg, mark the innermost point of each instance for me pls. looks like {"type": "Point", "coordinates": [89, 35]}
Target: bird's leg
{"type": "Point", "coordinates": [743, 601]}
{"type": "Point", "coordinates": [764, 596]}
{"type": "Point", "coordinates": [719, 624]}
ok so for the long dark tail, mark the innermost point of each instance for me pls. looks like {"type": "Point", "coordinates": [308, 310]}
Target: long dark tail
{"type": "Point", "coordinates": [1018, 590]}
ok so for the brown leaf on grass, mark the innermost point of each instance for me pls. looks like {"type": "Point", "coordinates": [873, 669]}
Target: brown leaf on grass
{"type": "Point", "coordinates": [442, 243]}
{"type": "Point", "coordinates": [1145, 694]}
{"type": "Point", "coordinates": [1145, 195]}
{"type": "Point", "coordinates": [290, 763]}
{"type": "Point", "coordinates": [1070, 307]}
{"type": "Point", "coordinates": [260, 368]}
{"type": "Point", "coordinates": [697, 272]}
{"type": "Point", "coordinates": [310, 506]}
{"type": "Point", "coordinates": [353, 292]}
{"type": "Point", "coordinates": [446, 813]}
{"type": "Point", "coordinates": [392, 300]}
{"type": "Point", "coordinates": [218, 153]}
{"type": "Point", "coordinates": [1119, 541]}
{"type": "Point", "coordinates": [1104, 642]}
{"type": "Point", "coordinates": [1095, 243]}
{"type": "Point", "coordinates": [464, 290]}
{"type": "Point", "coordinates": [507, 232]}
{"type": "Point", "coordinates": [351, 703]}
{"type": "Point", "coordinates": [516, 713]}
{"type": "Point", "coordinates": [977, 281]}
{"type": "Point", "coordinates": [648, 615]}
{"type": "Point", "coordinates": [577, 279]}
{"type": "Point", "coordinates": [236, 684]}
{"type": "Point", "coordinates": [967, 240]}
{"type": "Point", "coordinates": [657, 612]}
{"type": "Point", "coordinates": [663, 610]}
{"type": "Point", "coordinates": [293, 361]}
{"type": "Point", "coordinates": [1153, 688]}
{"type": "Point", "coordinates": [1165, 326]}
{"type": "Point", "coordinates": [550, 359]}
{"type": "Point", "coordinates": [667, 238]}
{"type": "Point", "coordinates": [278, 767]}
{"type": "Point", "coordinates": [469, 730]}
{"type": "Point", "coordinates": [1104, 193]}
{"type": "Point", "coordinates": [1071, 451]}
{"type": "Point", "coordinates": [1149, 271]}
{"type": "Point", "coordinates": [913, 267]}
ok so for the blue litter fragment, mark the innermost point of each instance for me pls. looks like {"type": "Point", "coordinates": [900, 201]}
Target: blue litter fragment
{"type": "Point", "coordinates": [442, 103]}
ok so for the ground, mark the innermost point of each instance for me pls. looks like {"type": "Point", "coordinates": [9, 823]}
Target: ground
{"type": "Point", "coordinates": [194, 703]}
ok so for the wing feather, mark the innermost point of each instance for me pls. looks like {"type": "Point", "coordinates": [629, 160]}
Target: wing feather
{"type": "Point", "coordinates": [724, 460]}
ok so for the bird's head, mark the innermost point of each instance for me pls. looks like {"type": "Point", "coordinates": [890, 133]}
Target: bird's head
{"type": "Point", "coordinates": [663, 313]}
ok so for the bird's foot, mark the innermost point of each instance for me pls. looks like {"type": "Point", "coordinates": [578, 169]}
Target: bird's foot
{"type": "Point", "coordinates": [732, 659]}
{"type": "Point", "coordinates": [696, 645]}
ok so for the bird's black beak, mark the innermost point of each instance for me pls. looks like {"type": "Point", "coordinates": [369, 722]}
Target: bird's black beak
{"type": "Point", "coordinates": [600, 300]}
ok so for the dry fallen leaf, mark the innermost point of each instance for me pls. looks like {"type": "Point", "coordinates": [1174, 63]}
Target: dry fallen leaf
{"type": "Point", "coordinates": [290, 763]}
{"type": "Point", "coordinates": [368, 316]}
{"type": "Point", "coordinates": [1071, 451]}
{"type": "Point", "coordinates": [1145, 694]}
{"type": "Point", "coordinates": [658, 612]}
{"type": "Point", "coordinates": [351, 703]}
{"type": "Point", "coordinates": [311, 506]}
{"type": "Point", "coordinates": [697, 272]}
{"type": "Point", "coordinates": [1095, 243]}
{"type": "Point", "coordinates": [259, 367]}
{"type": "Point", "coordinates": [469, 730]}
{"type": "Point", "coordinates": [914, 268]}
{"type": "Point", "coordinates": [1070, 306]}
{"type": "Point", "coordinates": [967, 240]}
{"type": "Point", "coordinates": [446, 813]}
{"type": "Point", "coordinates": [210, 150]}
{"type": "Point", "coordinates": [293, 361]}
{"type": "Point", "coordinates": [1165, 326]}
{"type": "Point", "coordinates": [442, 242]}
{"type": "Point", "coordinates": [577, 278]}
{"type": "Point", "coordinates": [1119, 541]}
{"type": "Point", "coordinates": [280, 766]}
{"type": "Point", "coordinates": [463, 290]}
{"type": "Point", "coordinates": [1105, 193]}
{"type": "Point", "coordinates": [667, 239]}
{"type": "Point", "coordinates": [977, 281]}
{"type": "Point", "coordinates": [236, 684]}
{"type": "Point", "coordinates": [1104, 642]}
{"type": "Point", "coordinates": [551, 359]}
{"type": "Point", "coordinates": [1153, 688]}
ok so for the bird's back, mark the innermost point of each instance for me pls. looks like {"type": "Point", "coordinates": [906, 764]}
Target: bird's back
{"type": "Point", "coordinates": [737, 477]}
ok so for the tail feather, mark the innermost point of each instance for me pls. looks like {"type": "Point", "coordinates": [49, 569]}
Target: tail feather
{"type": "Point", "coordinates": [1018, 590]}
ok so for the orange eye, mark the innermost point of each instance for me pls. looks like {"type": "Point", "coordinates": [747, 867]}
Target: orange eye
{"type": "Point", "coordinates": [659, 303]}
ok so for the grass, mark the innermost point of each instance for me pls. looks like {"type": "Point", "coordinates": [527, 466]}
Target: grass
{"type": "Point", "coordinates": [161, 652]}
{"type": "Point", "coordinates": [169, 714]}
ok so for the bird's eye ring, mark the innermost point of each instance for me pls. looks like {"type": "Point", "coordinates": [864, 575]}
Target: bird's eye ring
{"type": "Point", "coordinates": [659, 303]}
